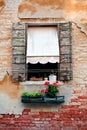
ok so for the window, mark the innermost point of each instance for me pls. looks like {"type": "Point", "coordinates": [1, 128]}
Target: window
{"type": "Point", "coordinates": [43, 58]}
{"type": "Point", "coordinates": [42, 51]}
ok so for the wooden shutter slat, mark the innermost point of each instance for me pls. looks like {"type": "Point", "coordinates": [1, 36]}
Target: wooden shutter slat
{"type": "Point", "coordinates": [65, 58]}
{"type": "Point", "coordinates": [18, 26]}
{"type": "Point", "coordinates": [18, 59]}
{"type": "Point", "coordinates": [65, 66]}
{"type": "Point", "coordinates": [19, 52]}
{"type": "Point", "coordinates": [18, 76]}
{"type": "Point", "coordinates": [18, 33]}
{"type": "Point", "coordinates": [18, 42]}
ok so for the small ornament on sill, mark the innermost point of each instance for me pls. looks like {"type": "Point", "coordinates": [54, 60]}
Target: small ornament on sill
{"type": "Point", "coordinates": [52, 77]}
{"type": "Point", "coordinates": [45, 79]}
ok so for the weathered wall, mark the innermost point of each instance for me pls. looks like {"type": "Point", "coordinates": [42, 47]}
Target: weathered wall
{"type": "Point", "coordinates": [75, 91]}
{"type": "Point", "coordinates": [68, 118]}
{"type": "Point", "coordinates": [2, 4]}
{"type": "Point", "coordinates": [71, 10]}
{"type": "Point", "coordinates": [72, 115]}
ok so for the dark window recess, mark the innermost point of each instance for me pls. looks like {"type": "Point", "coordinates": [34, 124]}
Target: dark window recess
{"type": "Point", "coordinates": [41, 70]}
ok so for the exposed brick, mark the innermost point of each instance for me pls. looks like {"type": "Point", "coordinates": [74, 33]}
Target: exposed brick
{"type": "Point", "coordinates": [26, 111]}
{"type": "Point", "coordinates": [69, 128]}
{"type": "Point", "coordinates": [68, 118]}
{"type": "Point", "coordinates": [82, 97]}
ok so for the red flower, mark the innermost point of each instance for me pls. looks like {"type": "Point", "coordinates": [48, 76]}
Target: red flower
{"type": "Point", "coordinates": [55, 84]}
{"type": "Point", "coordinates": [46, 83]}
{"type": "Point", "coordinates": [44, 90]}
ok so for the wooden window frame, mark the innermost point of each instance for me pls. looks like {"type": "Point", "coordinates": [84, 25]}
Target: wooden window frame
{"type": "Point", "coordinates": [19, 31]}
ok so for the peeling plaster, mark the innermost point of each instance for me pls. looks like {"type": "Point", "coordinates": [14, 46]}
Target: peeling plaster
{"type": "Point", "coordinates": [51, 5]}
{"type": "Point", "coordinates": [2, 4]}
{"type": "Point", "coordinates": [28, 7]}
{"type": "Point", "coordinates": [10, 97]}
{"type": "Point", "coordinates": [12, 4]}
{"type": "Point", "coordinates": [62, 10]}
{"type": "Point", "coordinates": [8, 87]}
{"type": "Point", "coordinates": [83, 27]}
{"type": "Point", "coordinates": [71, 10]}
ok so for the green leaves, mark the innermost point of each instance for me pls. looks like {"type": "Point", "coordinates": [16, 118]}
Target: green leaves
{"type": "Point", "coordinates": [25, 94]}
{"type": "Point", "coordinates": [52, 91]}
{"type": "Point", "coordinates": [32, 94]}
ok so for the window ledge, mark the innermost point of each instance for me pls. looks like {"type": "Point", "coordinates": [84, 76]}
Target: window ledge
{"type": "Point", "coordinates": [33, 82]}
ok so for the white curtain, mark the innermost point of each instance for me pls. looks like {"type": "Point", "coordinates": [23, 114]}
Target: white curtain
{"type": "Point", "coordinates": [42, 41]}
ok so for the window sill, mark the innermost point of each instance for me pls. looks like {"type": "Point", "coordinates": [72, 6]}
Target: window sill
{"type": "Point", "coordinates": [33, 82]}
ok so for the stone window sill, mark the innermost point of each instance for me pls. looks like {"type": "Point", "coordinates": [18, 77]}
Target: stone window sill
{"type": "Point", "coordinates": [33, 83]}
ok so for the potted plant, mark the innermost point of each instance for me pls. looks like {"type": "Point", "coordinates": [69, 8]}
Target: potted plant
{"type": "Point", "coordinates": [46, 95]}
{"type": "Point", "coordinates": [52, 89]}
{"type": "Point", "coordinates": [35, 94]}
{"type": "Point", "coordinates": [35, 97]}
{"type": "Point", "coordinates": [50, 93]}
{"type": "Point", "coordinates": [31, 97]}
{"type": "Point", "coordinates": [25, 97]}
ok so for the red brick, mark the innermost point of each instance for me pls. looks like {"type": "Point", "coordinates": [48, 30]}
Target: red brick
{"type": "Point", "coordinates": [26, 111]}
{"type": "Point", "coordinates": [82, 97]}
{"type": "Point", "coordinates": [67, 118]}
{"type": "Point", "coordinates": [69, 128]}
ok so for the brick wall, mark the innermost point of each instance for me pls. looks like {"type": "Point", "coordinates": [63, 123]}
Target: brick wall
{"type": "Point", "coordinates": [68, 118]}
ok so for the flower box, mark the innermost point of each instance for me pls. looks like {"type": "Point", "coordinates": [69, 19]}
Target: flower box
{"type": "Point", "coordinates": [57, 99]}
{"type": "Point", "coordinates": [46, 95]}
{"type": "Point", "coordinates": [42, 99]}
{"type": "Point", "coordinates": [35, 99]}
{"type": "Point", "coordinates": [25, 99]}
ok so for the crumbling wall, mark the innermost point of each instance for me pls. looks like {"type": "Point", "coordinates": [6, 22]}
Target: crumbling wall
{"type": "Point", "coordinates": [61, 11]}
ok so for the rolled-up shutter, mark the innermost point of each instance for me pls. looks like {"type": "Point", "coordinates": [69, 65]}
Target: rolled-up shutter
{"type": "Point", "coordinates": [65, 66]}
{"type": "Point", "coordinates": [18, 52]}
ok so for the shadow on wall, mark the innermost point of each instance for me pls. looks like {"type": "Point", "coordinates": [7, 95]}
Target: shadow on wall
{"type": "Point", "coordinates": [8, 87]}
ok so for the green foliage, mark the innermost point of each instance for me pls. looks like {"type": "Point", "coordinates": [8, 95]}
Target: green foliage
{"type": "Point", "coordinates": [52, 91]}
{"type": "Point", "coordinates": [32, 94]}
{"type": "Point", "coordinates": [35, 94]}
{"type": "Point", "coordinates": [25, 94]}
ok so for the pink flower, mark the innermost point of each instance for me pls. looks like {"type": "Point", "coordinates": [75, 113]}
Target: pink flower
{"type": "Point", "coordinates": [47, 83]}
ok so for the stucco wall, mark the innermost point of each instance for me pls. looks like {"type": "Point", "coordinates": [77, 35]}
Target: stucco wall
{"type": "Point", "coordinates": [75, 91]}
